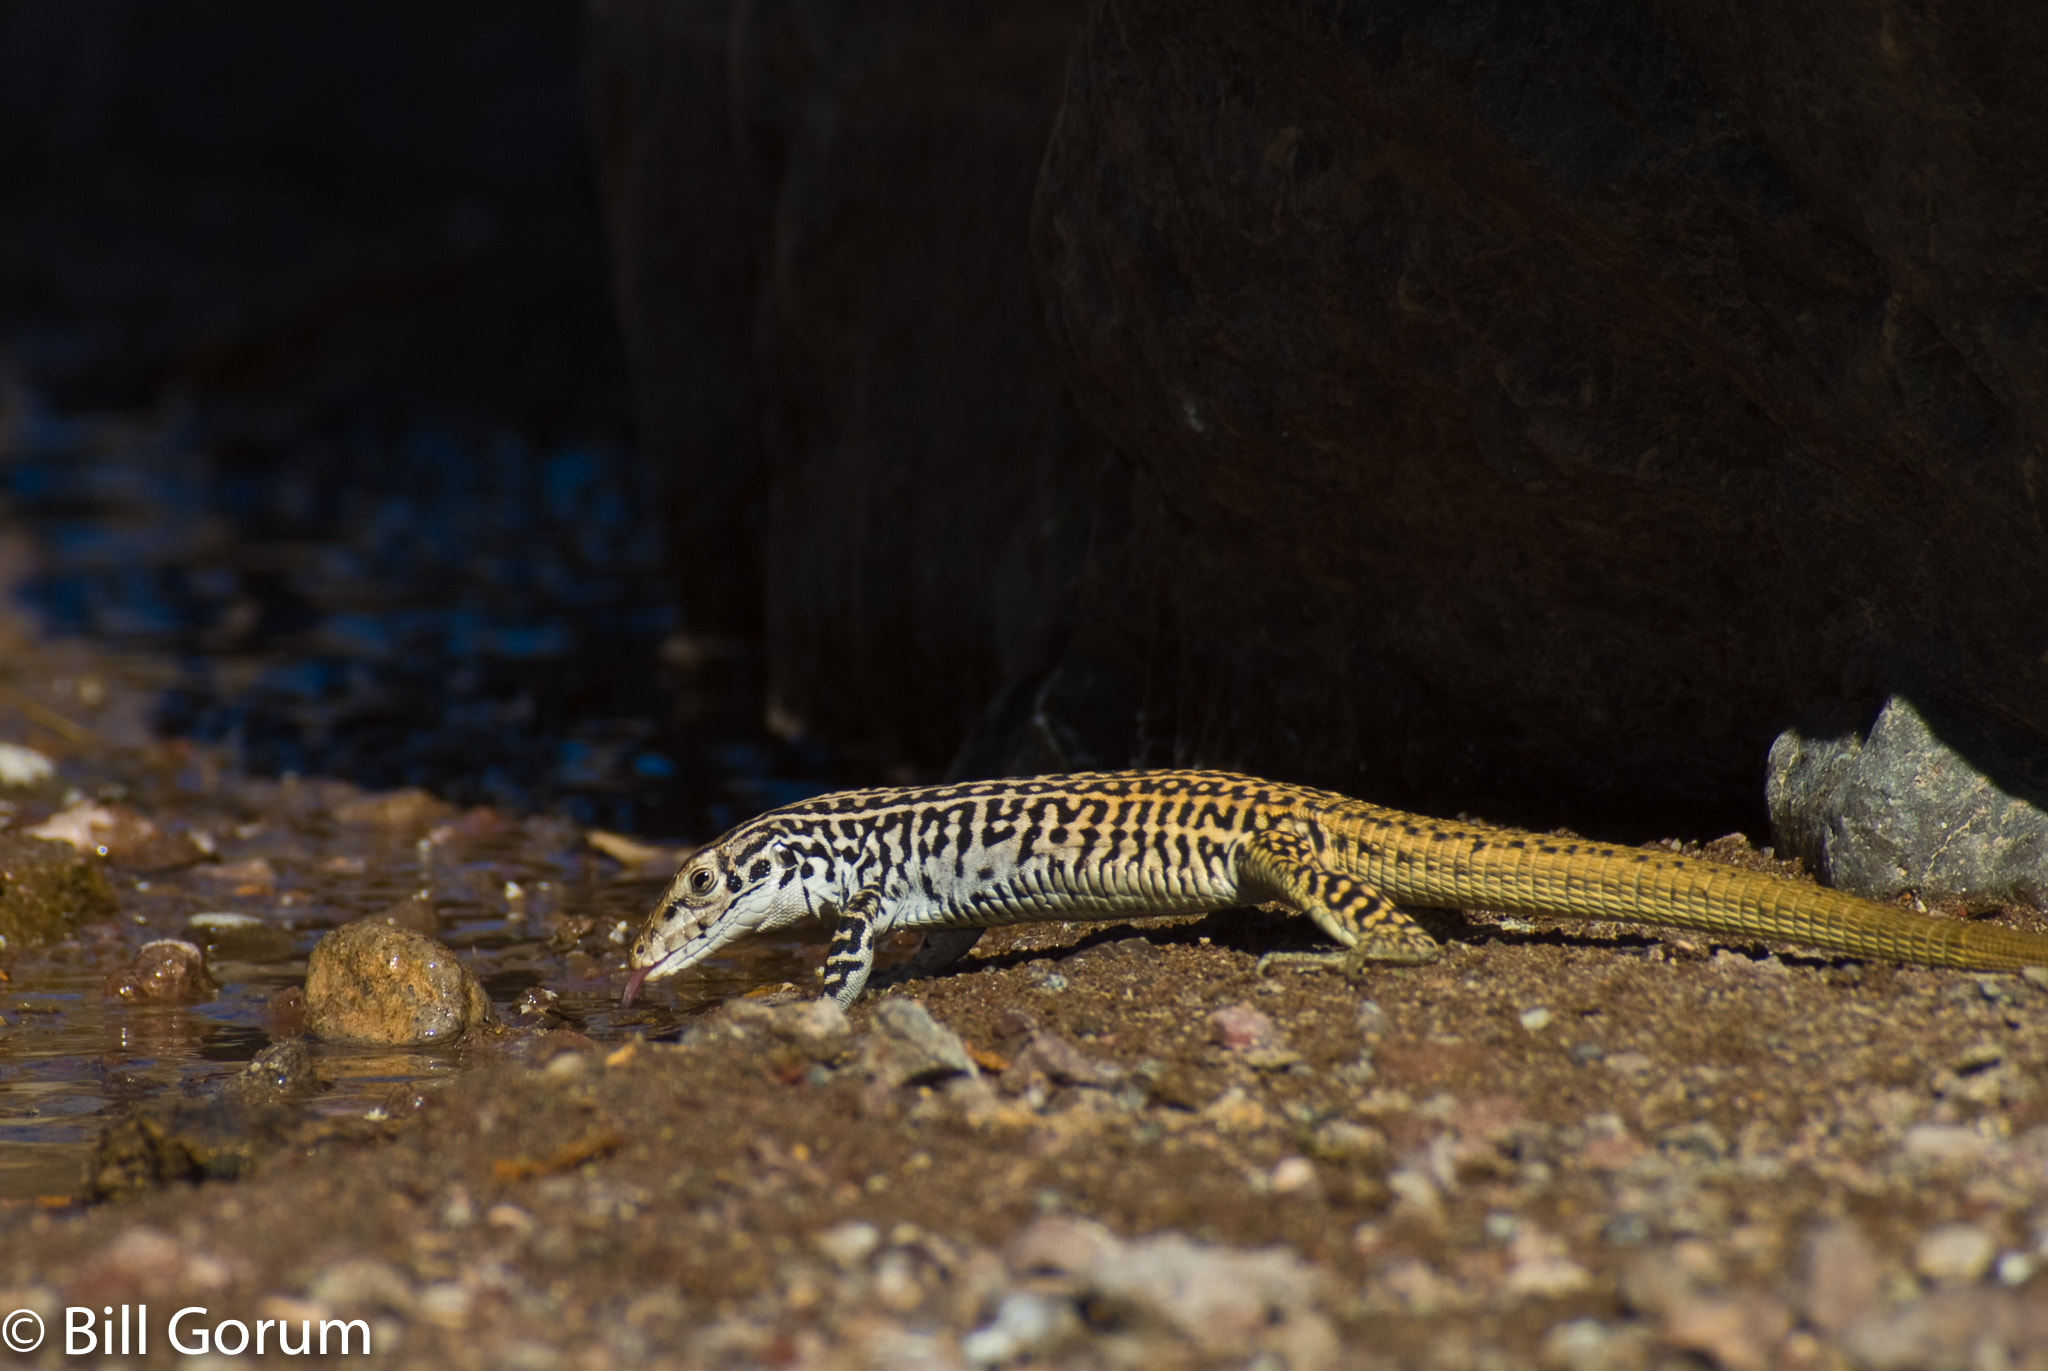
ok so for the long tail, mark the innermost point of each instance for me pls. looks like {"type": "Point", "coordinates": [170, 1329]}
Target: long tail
{"type": "Point", "coordinates": [1423, 862]}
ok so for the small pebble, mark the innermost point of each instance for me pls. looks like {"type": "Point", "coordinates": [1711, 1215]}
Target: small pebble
{"type": "Point", "coordinates": [896, 1284]}
{"type": "Point", "coordinates": [256, 875]}
{"type": "Point", "coordinates": [167, 971]}
{"type": "Point", "coordinates": [1242, 1028]}
{"type": "Point", "coordinates": [1977, 1056]}
{"type": "Point", "coordinates": [445, 1303]}
{"type": "Point", "coordinates": [1547, 1278]}
{"type": "Point", "coordinates": [281, 1070]}
{"type": "Point", "coordinates": [1580, 1345]}
{"type": "Point", "coordinates": [405, 811]}
{"type": "Point", "coordinates": [1631, 1066]}
{"type": "Point", "coordinates": [236, 937]}
{"type": "Point", "coordinates": [1343, 1140]}
{"type": "Point", "coordinates": [1015, 1023]}
{"type": "Point", "coordinates": [362, 1283]}
{"type": "Point", "coordinates": [849, 1244]}
{"type": "Point", "coordinates": [416, 912]}
{"type": "Point", "coordinates": [816, 1028]}
{"type": "Point", "coordinates": [2016, 1268]}
{"type": "Point", "coordinates": [1294, 1176]}
{"type": "Point", "coordinates": [1945, 1143]}
{"type": "Point", "coordinates": [1025, 1323]}
{"type": "Point", "coordinates": [1060, 1062]}
{"type": "Point", "coordinates": [1956, 1252]}
{"type": "Point", "coordinates": [24, 766]}
{"type": "Point", "coordinates": [1997, 989]}
{"type": "Point", "coordinates": [118, 833]}
{"type": "Point", "coordinates": [1535, 1019]}
{"type": "Point", "coordinates": [511, 1218]}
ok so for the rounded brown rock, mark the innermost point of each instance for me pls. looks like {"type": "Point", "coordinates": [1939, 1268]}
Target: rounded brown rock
{"type": "Point", "coordinates": [371, 982]}
{"type": "Point", "coordinates": [166, 971]}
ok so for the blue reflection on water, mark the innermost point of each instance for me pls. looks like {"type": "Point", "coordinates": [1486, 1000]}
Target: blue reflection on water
{"type": "Point", "coordinates": [480, 616]}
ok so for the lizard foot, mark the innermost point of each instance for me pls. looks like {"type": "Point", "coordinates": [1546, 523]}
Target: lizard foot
{"type": "Point", "coordinates": [1418, 950]}
{"type": "Point", "coordinates": [1306, 961]}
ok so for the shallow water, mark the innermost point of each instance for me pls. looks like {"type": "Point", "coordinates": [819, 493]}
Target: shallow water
{"type": "Point", "coordinates": [520, 912]}
{"type": "Point", "coordinates": [474, 614]}
{"type": "Point", "coordinates": [481, 618]}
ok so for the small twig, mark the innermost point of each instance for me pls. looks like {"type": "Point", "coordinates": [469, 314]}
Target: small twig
{"type": "Point", "coordinates": [46, 716]}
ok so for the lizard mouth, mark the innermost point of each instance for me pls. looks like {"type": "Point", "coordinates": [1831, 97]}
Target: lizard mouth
{"type": "Point", "coordinates": [668, 965]}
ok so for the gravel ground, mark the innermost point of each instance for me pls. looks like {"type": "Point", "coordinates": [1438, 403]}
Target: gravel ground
{"type": "Point", "coordinates": [1574, 1146]}
{"type": "Point", "coordinates": [1571, 1147]}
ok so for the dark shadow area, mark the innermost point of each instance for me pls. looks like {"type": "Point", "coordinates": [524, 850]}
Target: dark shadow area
{"type": "Point", "coordinates": [312, 393]}
{"type": "Point", "coordinates": [352, 211]}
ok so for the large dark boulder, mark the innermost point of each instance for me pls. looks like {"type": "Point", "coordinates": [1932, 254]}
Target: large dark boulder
{"type": "Point", "coordinates": [820, 215]}
{"type": "Point", "coordinates": [1537, 407]}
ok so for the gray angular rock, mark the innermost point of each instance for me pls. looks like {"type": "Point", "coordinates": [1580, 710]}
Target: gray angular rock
{"type": "Point", "coordinates": [1903, 807]}
{"type": "Point", "coordinates": [911, 1048]}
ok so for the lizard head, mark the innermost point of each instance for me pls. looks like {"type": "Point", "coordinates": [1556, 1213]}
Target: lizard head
{"type": "Point", "coordinates": [750, 881]}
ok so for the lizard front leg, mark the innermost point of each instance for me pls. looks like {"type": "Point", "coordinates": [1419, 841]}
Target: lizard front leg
{"type": "Point", "coordinates": [1282, 866]}
{"type": "Point", "coordinates": [851, 957]}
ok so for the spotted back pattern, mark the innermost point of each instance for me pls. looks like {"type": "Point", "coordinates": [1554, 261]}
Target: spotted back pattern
{"type": "Point", "coordinates": [1117, 844]}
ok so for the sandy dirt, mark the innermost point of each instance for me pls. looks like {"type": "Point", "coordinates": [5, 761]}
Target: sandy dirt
{"type": "Point", "coordinates": [1567, 1146]}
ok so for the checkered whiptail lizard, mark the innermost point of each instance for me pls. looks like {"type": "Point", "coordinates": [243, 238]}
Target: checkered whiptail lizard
{"type": "Point", "coordinates": [953, 860]}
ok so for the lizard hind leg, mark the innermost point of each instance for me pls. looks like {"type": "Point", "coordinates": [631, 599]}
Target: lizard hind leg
{"type": "Point", "coordinates": [1371, 928]}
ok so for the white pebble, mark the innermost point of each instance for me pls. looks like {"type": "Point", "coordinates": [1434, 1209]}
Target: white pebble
{"type": "Point", "coordinates": [24, 765]}
{"type": "Point", "coordinates": [1576, 1346]}
{"type": "Point", "coordinates": [1535, 1019]}
{"type": "Point", "coordinates": [1024, 1324]}
{"type": "Point", "coordinates": [1954, 1252]}
{"type": "Point", "coordinates": [848, 1244]}
{"type": "Point", "coordinates": [1547, 1278]}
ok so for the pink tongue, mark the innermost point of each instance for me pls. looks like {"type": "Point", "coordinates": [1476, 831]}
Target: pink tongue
{"type": "Point", "coordinates": [633, 984]}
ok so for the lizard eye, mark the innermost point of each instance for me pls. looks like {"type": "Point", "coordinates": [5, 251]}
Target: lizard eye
{"type": "Point", "coordinates": [702, 880]}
